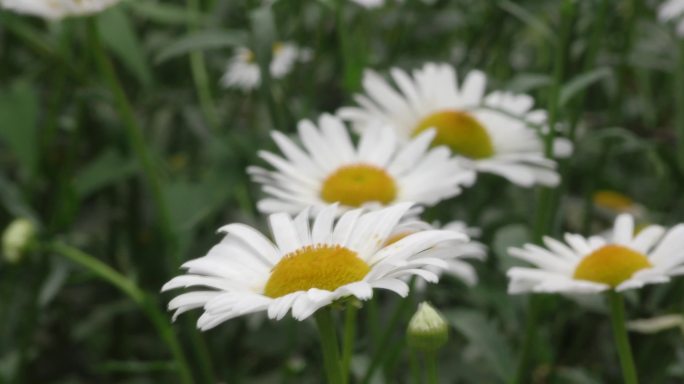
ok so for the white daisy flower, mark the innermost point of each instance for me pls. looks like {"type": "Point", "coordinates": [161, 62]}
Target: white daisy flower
{"type": "Point", "coordinates": [309, 266]}
{"type": "Point", "coordinates": [491, 132]}
{"type": "Point", "coordinates": [673, 10]}
{"type": "Point", "coordinates": [460, 250]}
{"type": "Point", "coordinates": [57, 9]}
{"type": "Point", "coordinates": [379, 170]}
{"type": "Point", "coordinates": [623, 260]}
{"type": "Point", "coordinates": [243, 70]}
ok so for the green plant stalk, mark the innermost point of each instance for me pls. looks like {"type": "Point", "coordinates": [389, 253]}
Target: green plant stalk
{"type": "Point", "coordinates": [545, 213]}
{"type": "Point", "coordinates": [134, 133]}
{"type": "Point", "coordinates": [126, 286]}
{"type": "Point", "coordinates": [414, 366]}
{"type": "Point", "coordinates": [679, 97]}
{"type": "Point", "coordinates": [349, 337]}
{"type": "Point", "coordinates": [431, 367]}
{"type": "Point", "coordinates": [330, 346]}
{"type": "Point", "coordinates": [617, 316]}
{"type": "Point", "coordinates": [379, 354]}
{"type": "Point", "coordinates": [350, 55]}
{"type": "Point", "coordinates": [198, 69]}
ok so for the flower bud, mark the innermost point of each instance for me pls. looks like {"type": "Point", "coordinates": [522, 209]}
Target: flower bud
{"type": "Point", "coordinates": [427, 330]}
{"type": "Point", "coordinates": [16, 239]}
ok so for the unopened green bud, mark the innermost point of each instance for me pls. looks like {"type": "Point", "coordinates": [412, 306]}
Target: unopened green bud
{"type": "Point", "coordinates": [16, 239]}
{"type": "Point", "coordinates": [427, 330]}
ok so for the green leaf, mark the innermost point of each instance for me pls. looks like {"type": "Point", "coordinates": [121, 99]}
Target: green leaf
{"type": "Point", "coordinates": [18, 124]}
{"type": "Point", "coordinates": [485, 338]}
{"type": "Point", "coordinates": [192, 202]}
{"type": "Point", "coordinates": [14, 202]}
{"type": "Point", "coordinates": [526, 82]}
{"type": "Point", "coordinates": [106, 169]}
{"type": "Point", "coordinates": [583, 81]}
{"type": "Point", "coordinates": [118, 34]}
{"type": "Point", "coordinates": [199, 41]}
{"type": "Point", "coordinates": [528, 18]}
{"type": "Point", "coordinates": [164, 13]}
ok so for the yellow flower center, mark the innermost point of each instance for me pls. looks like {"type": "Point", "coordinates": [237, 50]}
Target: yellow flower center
{"type": "Point", "coordinates": [321, 266]}
{"type": "Point", "coordinates": [459, 131]}
{"type": "Point", "coordinates": [611, 265]}
{"type": "Point", "coordinates": [355, 185]}
{"type": "Point", "coordinates": [613, 200]}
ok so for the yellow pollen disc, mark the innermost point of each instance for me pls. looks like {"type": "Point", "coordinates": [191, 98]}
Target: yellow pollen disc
{"type": "Point", "coordinates": [611, 264]}
{"type": "Point", "coordinates": [613, 200]}
{"type": "Point", "coordinates": [459, 131]}
{"type": "Point", "coordinates": [321, 266]}
{"type": "Point", "coordinates": [355, 185]}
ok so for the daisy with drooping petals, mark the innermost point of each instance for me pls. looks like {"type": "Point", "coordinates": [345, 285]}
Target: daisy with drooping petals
{"type": "Point", "coordinates": [310, 265]}
{"type": "Point", "coordinates": [620, 261]}
{"type": "Point", "coordinates": [380, 170]}
{"type": "Point", "coordinates": [458, 250]}
{"type": "Point", "coordinates": [57, 9]}
{"type": "Point", "coordinates": [243, 71]}
{"type": "Point", "coordinates": [491, 132]}
{"type": "Point", "coordinates": [673, 10]}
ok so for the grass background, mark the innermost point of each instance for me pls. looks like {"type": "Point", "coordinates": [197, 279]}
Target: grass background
{"type": "Point", "coordinates": [142, 201]}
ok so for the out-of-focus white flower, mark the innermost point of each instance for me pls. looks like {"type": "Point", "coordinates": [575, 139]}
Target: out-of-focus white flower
{"type": "Point", "coordinates": [458, 251]}
{"type": "Point", "coordinates": [657, 324]}
{"type": "Point", "coordinates": [57, 9]}
{"type": "Point", "coordinates": [370, 3]}
{"type": "Point", "coordinates": [623, 260]}
{"type": "Point", "coordinates": [243, 70]}
{"type": "Point", "coordinates": [673, 10]}
{"type": "Point", "coordinates": [613, 203]}
{"type": "Point", "coordinates": [492, 133]}
{"type": "Point", "coordinates": [16, 239]}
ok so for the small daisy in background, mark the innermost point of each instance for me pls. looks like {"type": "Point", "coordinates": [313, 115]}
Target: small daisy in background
{"type": "Point", "coordinates": [243, 70]}
{"type": "Point", "coordinates": [493, 133]}
{"type": "Point", "coordinates": [459, 251]}
{"type": "Point", "coordinates": [612, 203]}
{"type": "Point", "coordinates": [380, 170]}
{"type": "Point", "coordinates": [611, 263]}
{"type": "Point", "coordinates": [673, 10]}
{"type": "Point", "coordinates": [617, 261]}
{"type": "Point", "coordinates": [311, 264]}
{"type": "Point", "coordinates": [57, 9]}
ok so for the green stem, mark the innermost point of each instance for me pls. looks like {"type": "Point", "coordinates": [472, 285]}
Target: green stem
{"type": "Point", "coordinates": [380, 353]}
{"type": "Point", "coordinates": [199, 72]}
{"type": "Point", "coordinates": [529, 341]}
{"type": "Point", "coordinates": [545, 212]}
{"type": "Point", "coordinates": [617, 312]}
{"type": "Point", "coordinates": [679, 98]}
{"type": "Point", "coordinates": [156, 317]}
{"type": "Point", "coordinates": [349, 337]}
{"type": "Point", "coordinates": [134, 133]}
{"type": "Point", "coordinates": [330, 346]}
{"type": "Point", "coordinates": [414, 363]}
{"type": "Point", "coordinates": [431, 367]}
